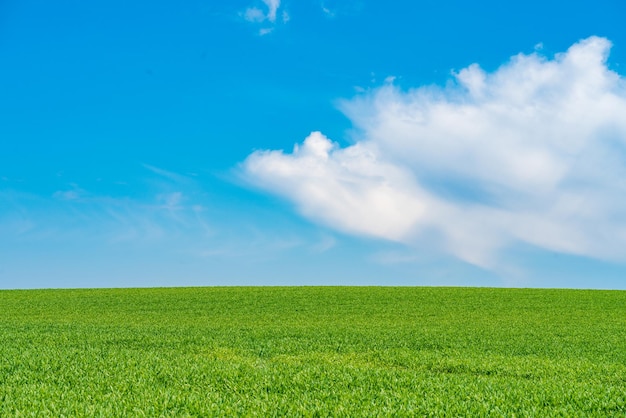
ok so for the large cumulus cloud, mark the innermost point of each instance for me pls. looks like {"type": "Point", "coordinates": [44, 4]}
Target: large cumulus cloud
{"type": "Point", "coordinates": [534, 152]}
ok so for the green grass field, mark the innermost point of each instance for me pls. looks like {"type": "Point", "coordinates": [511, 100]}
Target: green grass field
{"type": "Point", "coordinates": [313, 351]}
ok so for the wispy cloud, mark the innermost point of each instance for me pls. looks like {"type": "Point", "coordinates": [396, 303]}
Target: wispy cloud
{"type": "Point", "coordinates": [534, 152]}
{"type": "Point", "coordinates": [327, 11]}
{"type": "Point", "coordinates": [164, 215]}
{"type": "Point", "coordinates": [72, 193]}
{"type": "Point", "coordinates": [267, 16]}
{"type": "Point", "coordinates": [333, 8]}
{"type": "Point", "coordinates": [169, 205]}
{"type": "Point", "coordinates": [170, 175]}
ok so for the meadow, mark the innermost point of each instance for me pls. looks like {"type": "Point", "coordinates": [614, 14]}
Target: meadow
{"type": "Point", "coordinates": [312, 351]}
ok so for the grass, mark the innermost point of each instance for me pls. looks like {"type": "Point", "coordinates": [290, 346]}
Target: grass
{"type": "Point", "coordinates": [313, 351]}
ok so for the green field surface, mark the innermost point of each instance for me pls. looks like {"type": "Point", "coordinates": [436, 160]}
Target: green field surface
{"type": "Point", "coordinates": [313, 351]}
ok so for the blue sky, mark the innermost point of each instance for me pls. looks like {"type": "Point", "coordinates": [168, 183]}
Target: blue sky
{"type": "Point", "coordinates": [457, 143]}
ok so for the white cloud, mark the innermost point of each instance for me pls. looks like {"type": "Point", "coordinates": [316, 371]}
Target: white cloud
{"type": "Point", "coordinates": [266, 17]}
{"type": "Point", "coordinates": [254, 14]}
{"type": "Point", "coordinates": [327, 11]}
{"type": "Point", "coordinates": [348, 189]}
{"type": "Point", "coordinates": [534, 152]}
{"type": "Point", "coordinates": [272, 7]}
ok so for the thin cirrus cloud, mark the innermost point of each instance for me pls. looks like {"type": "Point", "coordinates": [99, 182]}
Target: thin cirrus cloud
{"type": "Point", "coordinates": [534, 153]}
{"type": "Point", "coordinates": [170, 209]}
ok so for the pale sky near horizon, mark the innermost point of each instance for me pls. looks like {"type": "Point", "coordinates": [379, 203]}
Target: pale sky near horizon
{"type": "Point", "coordinates": [312, 142]}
